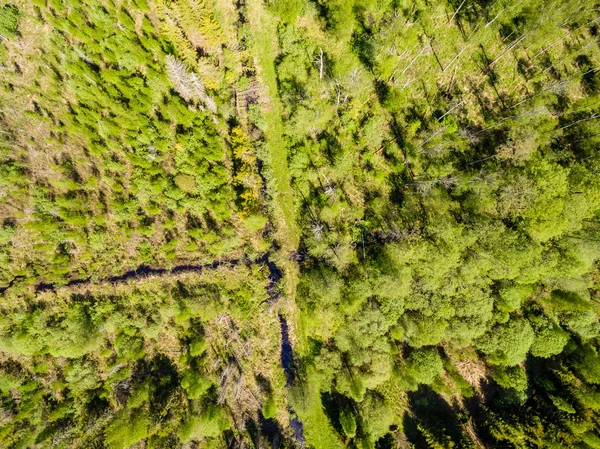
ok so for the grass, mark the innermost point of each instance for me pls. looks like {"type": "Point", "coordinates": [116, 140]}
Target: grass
{"type": "Point", "coordinates": [263, 28]}
{"type": "Point", "coordinates": [263, 33]}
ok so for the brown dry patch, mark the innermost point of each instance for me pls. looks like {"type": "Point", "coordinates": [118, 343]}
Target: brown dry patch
{"type": "Point", "coordinates": [169, 344]}
{"type": "Point", "coordinates": [473, 371]}
{"type": "Point", "coordinates": [456, 400]}
{"type": "Point", "coordinates": [229, 356]}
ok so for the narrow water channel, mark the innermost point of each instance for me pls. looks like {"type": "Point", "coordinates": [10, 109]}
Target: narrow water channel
{"type": "Point", "coordinates": [287, 362]}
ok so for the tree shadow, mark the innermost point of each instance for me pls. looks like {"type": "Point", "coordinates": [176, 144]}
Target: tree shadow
{"type": "Point", "coordinates": [334, 403]}
{"type": "Point", "coordinates": [432, 418]}
{"type": "Point", "coordinates": [266, 433]}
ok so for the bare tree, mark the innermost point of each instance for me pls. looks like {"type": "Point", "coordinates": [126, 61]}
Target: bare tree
{"type": "Point", "coordinates": [320, 60]}
{"type": "Point", "coordinates": [317, 230]}
{"type": "Point", "coordinates": [330, 189]}
{"type": "Point", "coordinates": [188, 84]}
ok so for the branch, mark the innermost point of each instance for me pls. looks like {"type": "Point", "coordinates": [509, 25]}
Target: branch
{"type": "Point", "coordinates": [456, 12]}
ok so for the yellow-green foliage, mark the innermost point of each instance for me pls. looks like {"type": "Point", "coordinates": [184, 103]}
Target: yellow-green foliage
{"type": "Point", "coordinates": [294, 223]}
{"type": "Point", "coordinates": [196, 18]}
{"type": "Point", "coordinates": [97, 347]}
{"type": "Point", "coordinates": [208, 424]}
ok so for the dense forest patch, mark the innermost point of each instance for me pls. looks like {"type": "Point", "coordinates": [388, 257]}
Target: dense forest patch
{"type": "Point", "coordinates": [299, 223]}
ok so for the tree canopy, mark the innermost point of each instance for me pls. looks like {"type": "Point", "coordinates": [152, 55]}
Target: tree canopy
{"type": "Point", "coordinates": [299, 223]}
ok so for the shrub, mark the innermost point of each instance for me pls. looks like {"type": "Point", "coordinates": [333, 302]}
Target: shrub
{"type": "Point", "coordinates": [424, 365]}
{"type": "Point", "coordinates": [9, 20]}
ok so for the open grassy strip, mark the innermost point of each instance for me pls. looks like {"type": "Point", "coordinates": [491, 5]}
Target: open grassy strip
{"type": "Point", "coordinates": [264, 48]}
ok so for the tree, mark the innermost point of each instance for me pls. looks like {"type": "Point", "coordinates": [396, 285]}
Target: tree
{"type": "Point", "coordinates": [348, 423]}
{"type": "Point", "coordinates": [507, 344]}
{"type": "Point", "coordinates": [549, 339]}
{"type": "Point", "coordinates": [424, 365]}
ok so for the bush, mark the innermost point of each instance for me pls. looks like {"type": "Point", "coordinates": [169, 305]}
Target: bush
{"type": "Point", "coordinates": [209, 424]}
{"type": "Point", "coordinates": [126, 429]}
{"type": "Point", "coordinates": [197, 347]}
{"type": "Point", "coordinates": [269, 408]}
{"type": "Point", "coordinates": [9, 20]}
{"type": "Point", "coordinates": [186, 182]}
{"type": "Point", "coordinates": [195, 384]}
{"type": "Point", "coordinates": [129, 348]}
{"type": "Point", "coordinates": [424, 365]}
{"type": "Point", "coordinates": [348, 423]}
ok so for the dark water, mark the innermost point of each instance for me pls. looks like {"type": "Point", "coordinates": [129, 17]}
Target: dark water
{"type": "Point", "coordinates": [287, 356]}
{"type": "Point", "coordinates": [287, 362]}
{"type": "Point", "coordinates": [145, 271]}
{"type": "Point", "coordinates": [298, 429]}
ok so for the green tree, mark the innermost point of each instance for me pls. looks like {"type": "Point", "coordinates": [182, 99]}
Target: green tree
{"type": "Point", "coordinates": [424, 365]}
{"type": "Point", "coordinates": [507, 344]}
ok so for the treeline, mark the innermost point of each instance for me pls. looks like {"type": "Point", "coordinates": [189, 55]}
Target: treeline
{"type": "Point", "coordinates": [445, 161]}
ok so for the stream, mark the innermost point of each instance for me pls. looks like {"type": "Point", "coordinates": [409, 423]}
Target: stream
{"type": "Point", "coordinates": [144, 271]}
{"type": "Point", "coordinates": [287, 362]}
{"type": "Point", "coordinates": [275, 275]}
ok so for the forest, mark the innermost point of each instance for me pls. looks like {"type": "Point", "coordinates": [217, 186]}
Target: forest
{"type": "Point", "coordinates": [313, 224]}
